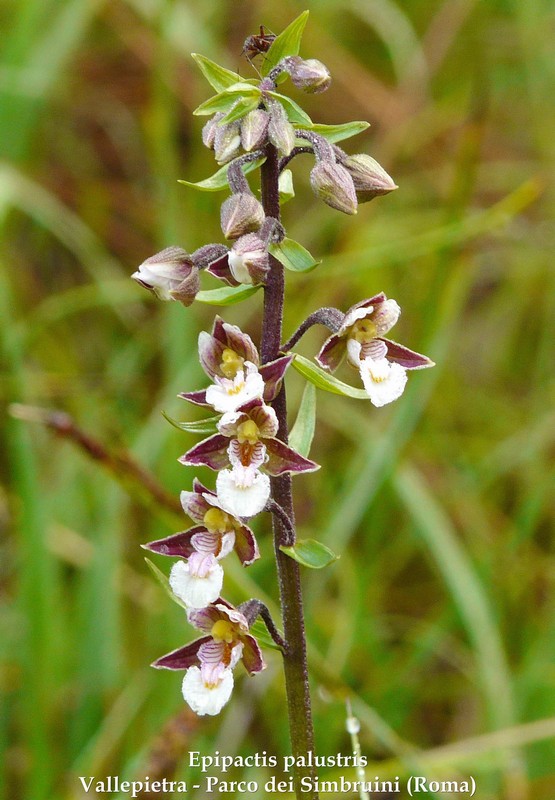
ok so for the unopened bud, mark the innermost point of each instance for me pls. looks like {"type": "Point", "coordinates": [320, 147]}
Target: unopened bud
{"type": "Point", "coordinates": [248, 259]}
{"type": "Point", "coordinates": [332, 183]}
{"type": "Point", "coordinates": [241, 213]}
{"type": "Point", "coordinates": [370, 179]}
{"type": "Point", "coordinates": [209, 130]}
{"type": "Point", "coordinates": [311, 76]}
{"type": "Point", "coordinates": [171, 275]}
{"type": "Point", "coordinates": [227, 142]}
{"type": "Point", "coordinates": [280, 131]}
{"type": "Point", "coordinates": [254, 129]}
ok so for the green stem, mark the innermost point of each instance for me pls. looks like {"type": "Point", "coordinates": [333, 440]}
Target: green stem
{"type": "Point", "coordinates": [294, 657]}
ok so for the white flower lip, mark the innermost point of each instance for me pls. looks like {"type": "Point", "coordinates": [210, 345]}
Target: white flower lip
{"type": "Point", "coordinates": [242, 499]}
{"type": "Point", "coordinates": [196, 590]}
{"type": "Point", "coordinates": [207, 698]}
{"type": "Point", "coordinates": [227, 395]}
{"type": "Point", "coordinates": [384, 381]}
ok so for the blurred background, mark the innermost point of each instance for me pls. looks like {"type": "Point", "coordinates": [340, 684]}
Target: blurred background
{"type": "Point", "coordinates": [438, 621]}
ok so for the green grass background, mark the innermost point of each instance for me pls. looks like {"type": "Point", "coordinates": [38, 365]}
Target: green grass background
{"type": "Point", "coordinates": [438, 621]}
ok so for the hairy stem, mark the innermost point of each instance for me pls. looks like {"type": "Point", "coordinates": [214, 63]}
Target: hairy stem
{"type": "Point", "coordinates": [294, 658]}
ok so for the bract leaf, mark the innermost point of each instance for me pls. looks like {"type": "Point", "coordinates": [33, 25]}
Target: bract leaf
{"type": "Point", "coordinates": [164, 582]}
{"type": "Point", "coordinates": [218, 77]}
{"type": "Point", "coordinates": [335, 133]}
{"type": "Point", "coordinates": [240, 109]}
{"type": "Point", "coordinates": [227, 296]}
{"type": "Point", "coordinates": [286, 188]}
{"type": "Point", "coordinates": [302, 432]}
{"type": "Point", "coordinates": [201, 426]}
{"type": "Point", "coordinates": [260, 633]}
{"type": "Point", "coordinates": [286, 44]}
{"type": "Point", "coordinates": [224, 100]}
{"type": "Point", "coordinates": [293, 256]}
{"type": "Point", "coordinates": [219, 179]}
{"type": "Point", "coordinates": [310, 553]}
{"type": "Point", "coordinates": [322, 380]}
{"type": "Point", "coordinates": [295, 113]}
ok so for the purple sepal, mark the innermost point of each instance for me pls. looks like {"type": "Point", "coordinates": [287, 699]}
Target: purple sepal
{"type": "Point", "coordinates": [198, 398]}
{"type": "Point", "coordinates": [332, 353]}
{"type": "Point", "coordinates": [252, 655]}
{"type": "Point", "coordinates": [220, 269]}
{"type": "Point", "coordinates": [272, 375]}
{"type": "Point", "coordinates": [179, 544]}
{"type": "Point", "coordinates": [183, 658]}
{"type": "Point", "coordinates": [193, 503]}
{"type": "Point", "coordinates": [246, 546]}
{"type": "Point", "coordinates": [204, 618]}
{"type": "Point", "coordinates": [282, 459]}
{"type": "Point", "coordinates": [211, 346]}
{"type": "Point", "coordinates": [405, 357]}
{"type": "Point", "coordinates": [211, 452]}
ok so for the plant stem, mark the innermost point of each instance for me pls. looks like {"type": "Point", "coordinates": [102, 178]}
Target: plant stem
{"type": "Point", "coordinates": [294, 657]}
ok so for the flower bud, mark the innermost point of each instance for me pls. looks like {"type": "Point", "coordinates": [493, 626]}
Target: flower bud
{"type": "Point", "coordinates": [241, 213]}
{"type": "Point", "coordinates": [248, 259]}
{"type": "Point", "coordinates": [369, 178]}
{"type": "Point", "coordinates": [332, 183]}
{"type": "Point", "coordinates": [209, 130]}
{"type": "Point", "coordinates": [171, 275]}
{"type": "Point", "coordinates": [227, 142]}
{"type": "Point", "coordinates": [254, 129]}
{"type": "Point", "coordinates": [311, 76]}
{"type": "Point", "coordinates": [280, 130]}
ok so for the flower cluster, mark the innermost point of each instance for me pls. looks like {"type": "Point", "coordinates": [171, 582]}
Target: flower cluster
{"type": "Point", "coordinates": [245, 451]}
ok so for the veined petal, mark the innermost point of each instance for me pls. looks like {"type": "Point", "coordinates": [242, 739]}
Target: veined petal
{"type": "Point", "coordinates": [183, 657]}
{"type": "Point", "coordinates": [252, 655]}
{"type": "Point", "coordinates": [240, 498]}
{"type": "Point", "coordinates": [383, 381]}
{"type": "Point", "coordinates": [198, 582]}
{"type": "Point", "coordinates": [212, 452]}
{"type": "Point", "coordinates": [207, 698]}
{"type": "Point", "coordinates": [194, 503]}
{"type": "Point", "coordinates": [385, 315]}
{"type": "Point", "coordinates": [246, 456]}
{"type": "Point", "coordinates": [283, 459]}
{"type": "Point", "coordinates": [405, 357]}
{"type": "Point", "coordinates": [212, 652]}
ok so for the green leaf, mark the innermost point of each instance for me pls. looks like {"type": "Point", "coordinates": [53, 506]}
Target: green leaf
{"type": "Point", "coordinates": [302, 433]}
{"type": "Point", "coordinates": [224, 100]}
{"type": "Point", "coordinates": [260, 633]}
{"type": "Point", "coordinates": [335, 133]}
{"type": "Point", "coordinates": [295, 113]}
{"type": "Point", "coordinates": [293, 256]}
{"type": "Point", "coordinates": [218, 77]}
{"type": "Point", "coordinates": [286, 44]}
{"type": "Point", "coordinates": [310, 553]}
{"type": "Point", "coordinates": [240, 109]}
{"type": "Point", "coordinates": [164, 583]}
{"type": "Point", "coordinates": [200, 426]}
{"type": "Point", "coordinates": [286, 188]}
{"type": "Point", "coordinates": [219, 179]}
{"type": "Point", "coordinates": [322, 380]}
{"type": "Point", "coordinates": [227, 296]}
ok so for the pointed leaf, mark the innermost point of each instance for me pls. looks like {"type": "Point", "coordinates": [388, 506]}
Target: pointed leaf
{"type": "Point", "coordinates": [286, 44]}
{"type": "Point", "coordinates": [219, 179]}
{"type": "Point", "coordinates": [201, 426]}
{"type": "Point", "coordinates": [218, 77]}
{"type": "Point", "coordinates": [164, 582]}
{"type": "Point", "coordinates": [322, 380]}
{"type": "Point", "coordinates": [242, 107]}
{"type": "Point", "coordinates": [224, 100]}
{"type": "Point", "coordinates": [295, 113]}
{"type": "Point", "coordinates": [293, 256]}
{"type": "Point", "coordinates": [310, 553]}
{"type": "Point", "coordinates": [302, 432]}
{"type": "Point", "coordinates": [286, 188]}
{"type": "Point", "coordinates": [335, 133]}
{"type": "Point", "coordinates": [227, 296]}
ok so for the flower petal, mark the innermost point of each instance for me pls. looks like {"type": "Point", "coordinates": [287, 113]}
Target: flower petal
{"type": "Point", "coordinates": [198, 398]}
{"type": "Point", "coordinates": [240, 499]}
{"type": "Point", "coordinates": [177, 545]}
{"type": "Point", "coordinates": [332, 352]}
{"type": "Point", "coordinates": [211, 452]}
{"type": "Point", "coordinates": [283, 459]}
{"type": "Point", "coordinates": [383, 381]}
{"type": "Point", "coordinates": [252, 655]}
{"type": "Point", "coordinates": [272, 374]}
{"type": "Point", "coordinates": [183, 657]}
{"type": "Point", "coordinates": [206, 698]}
{"type": "Point", "coordinates": [198, 582]}
{"type": "Point", "coordinates": [405, 357]}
